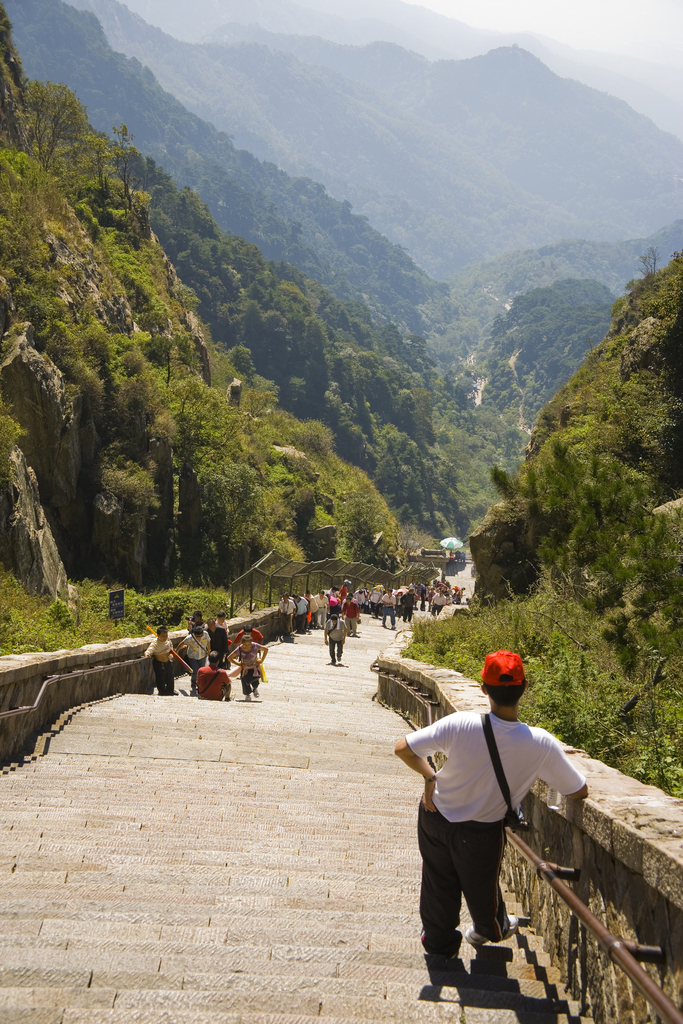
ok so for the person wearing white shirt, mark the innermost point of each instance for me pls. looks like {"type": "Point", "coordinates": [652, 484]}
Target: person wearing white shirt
{"type": "Point", "coordinates": [287, 608]}
{"type": "Point", "coordinates": [389, 609]}
{"type": "Point", "coordinates": [322, 609]}
{"type": "Point", "coordinates": [461, 817]}
{"type": "Point", "coordinates": [376, 601]}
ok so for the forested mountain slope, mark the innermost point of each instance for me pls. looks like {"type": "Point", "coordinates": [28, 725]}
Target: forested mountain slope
{"type": "Point", "coordinates": [483, 291]}
{"type": "Point", "coordinates": [289, 219]}
{"type": "Point", "coordinates": [456, 160]}
{"type": "Point", "coordinates": [589, 536]}
{"type": "Point", "coordinates": [540, 342]}
{"type": "Point", "coordinates": [121, 456]}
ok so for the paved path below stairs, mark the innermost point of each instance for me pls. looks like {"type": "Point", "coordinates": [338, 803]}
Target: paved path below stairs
{"type": "Point", "coordinates": [169, 860]}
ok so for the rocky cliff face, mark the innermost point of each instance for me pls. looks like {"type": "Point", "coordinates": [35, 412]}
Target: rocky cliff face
{"type": "Point", "coordinates": [59, 514]}
{"type": "Point", "coordinates": [504, 551]}
{"type": "Point", "coordinates": [11, 78]}
{"type": "Point", "coordinates": [27, 546]}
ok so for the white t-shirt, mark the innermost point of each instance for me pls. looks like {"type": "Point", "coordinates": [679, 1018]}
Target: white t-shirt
{"type": "Point", "coordinates": [467, 788]}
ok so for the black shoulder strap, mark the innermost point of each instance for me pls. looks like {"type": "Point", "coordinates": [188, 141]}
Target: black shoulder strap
{"type": "Point", "coordinates": [495, 760]}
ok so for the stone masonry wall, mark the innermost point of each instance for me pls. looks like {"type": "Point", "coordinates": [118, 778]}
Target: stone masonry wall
{"type": "Point", "coordinates": [626, 838]}
{"type": "Point", "coordinates": [122, 669]}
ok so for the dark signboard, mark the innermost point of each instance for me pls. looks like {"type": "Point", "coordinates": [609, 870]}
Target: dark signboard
{"type": "Point", "coordinates": [116, 604]}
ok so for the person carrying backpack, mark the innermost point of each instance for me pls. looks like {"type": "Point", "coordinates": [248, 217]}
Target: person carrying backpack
{"type": "Point", "coordinates": [335, 637]}
{"type": "Point", "coordinates": [198, 645]}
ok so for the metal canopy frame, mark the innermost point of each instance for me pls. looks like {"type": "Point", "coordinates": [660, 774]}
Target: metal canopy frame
{"type": "Point", "coordinates": [274, 573]}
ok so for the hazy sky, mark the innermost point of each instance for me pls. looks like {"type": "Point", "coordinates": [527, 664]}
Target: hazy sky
{"type": "Point", "coordinates": [652, 30]}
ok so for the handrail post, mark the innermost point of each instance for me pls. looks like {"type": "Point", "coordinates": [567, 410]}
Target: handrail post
{"type": "Point", "coordinates": [623, 953]}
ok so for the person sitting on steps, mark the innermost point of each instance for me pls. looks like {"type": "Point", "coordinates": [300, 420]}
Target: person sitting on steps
{"type": "Point", "coordinates": [213, 682]}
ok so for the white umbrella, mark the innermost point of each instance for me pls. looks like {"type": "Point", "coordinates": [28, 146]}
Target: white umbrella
{"type": "Point", "coordinates": [451, 543]}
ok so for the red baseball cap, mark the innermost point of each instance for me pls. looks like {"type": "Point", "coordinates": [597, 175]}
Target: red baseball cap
{"type": "Point", "coordinates": [503, 663]}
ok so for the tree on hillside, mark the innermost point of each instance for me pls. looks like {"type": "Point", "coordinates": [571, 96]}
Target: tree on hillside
{"type": "Point", "coordinates": [361, 519]}
{"type": "Point", "coordinates": [125, 156]}
{"type": "Point", "coordinates": [649, 261]}
{"type": "Point", "coordinates": [56, 121]}
{"type": "Point", "coordinates": [232, 509]}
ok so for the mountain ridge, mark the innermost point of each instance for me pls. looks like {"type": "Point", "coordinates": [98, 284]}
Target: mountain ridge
{"type": "Point", "coordinates": [290, 219]}
{"type": "Point", "coordinates": [483, 155]}
{"type": "Point", "coordinates": [652, 89]}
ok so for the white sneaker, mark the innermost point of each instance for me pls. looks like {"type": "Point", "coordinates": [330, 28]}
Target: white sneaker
{"type": "Point", "coordinates": [257, 694]}
{"type": "Point", "coordinates": [475, 939]}
{"type": "Point", "coordinates": [247, 696]}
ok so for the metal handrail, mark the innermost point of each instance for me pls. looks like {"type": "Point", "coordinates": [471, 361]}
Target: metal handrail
{"type": "Point", "coordinates": [620, 951]}
{"type": "Point", "coordinates": [50, 680]}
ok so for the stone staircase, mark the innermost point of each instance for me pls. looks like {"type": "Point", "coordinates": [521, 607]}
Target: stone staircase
{"type": "Point", "coordinates": [169, 860]}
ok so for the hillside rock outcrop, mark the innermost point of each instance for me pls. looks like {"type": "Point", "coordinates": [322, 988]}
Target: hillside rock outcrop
{"type": "Point", "coordinates": [11, 126]}
{"type": "Point", "coordinates": [641, 351]}
{"type": "Point", "coordinates": [504, 551]}
{"type": "Point", "coordinates": [34, 390]}
{"type": "Point", "coordinates": [194, 328]}
{"type": "Point", "coordinates": [123, 550]}
{"type": "Point", "coordinates": [27, 546]}
{"type": "Point", "coordinates": [189, 502]}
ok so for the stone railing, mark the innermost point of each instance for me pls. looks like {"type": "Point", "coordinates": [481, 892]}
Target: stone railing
{"type": "Point", "coordinates": [85, 674]}
{"type": "Point", "coordinates": [626, 838]}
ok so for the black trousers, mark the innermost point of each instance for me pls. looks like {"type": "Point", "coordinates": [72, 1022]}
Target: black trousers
{"type": "Point", "coordinates": [459, 858]}
{"type": "Point", "coordinates": [408, 614]}
{"type": "Point", "coordinates": [163, 677]}
{"type": "Point", "coordinates": [250, 679]}
{"type": "Point", "coordinates": [339, 646]}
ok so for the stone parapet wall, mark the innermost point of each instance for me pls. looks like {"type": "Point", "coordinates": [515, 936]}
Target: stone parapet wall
{"type": "Point", "coordinates": [626, 838]}
{"type": "Point", "coordinates": [121, 669]}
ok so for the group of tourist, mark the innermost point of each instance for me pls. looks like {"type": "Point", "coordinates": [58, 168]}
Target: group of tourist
{"type": "Point", "coordinates": [208, 652]}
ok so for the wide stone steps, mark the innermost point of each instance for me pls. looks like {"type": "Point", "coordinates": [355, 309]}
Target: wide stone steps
{"type": "Point", "coordinates": [168, 860]}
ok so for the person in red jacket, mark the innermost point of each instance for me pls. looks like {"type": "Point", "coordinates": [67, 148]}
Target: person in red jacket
{"type": "Point", "coordinates": [352, 614]}
{"type": "Point", "coordinates": [256, 636]}
{"type": "Point", "coordinates": [213, 682]}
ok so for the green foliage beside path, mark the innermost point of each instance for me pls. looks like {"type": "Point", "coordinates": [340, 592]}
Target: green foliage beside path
{"type": "Point", "coordinates": [37, 624]}
{"type": "Point", "coordinates": [577, 685]}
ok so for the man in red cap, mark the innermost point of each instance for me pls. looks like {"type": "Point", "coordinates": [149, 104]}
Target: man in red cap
{"type": "Point", "coordinates": [460, 822]}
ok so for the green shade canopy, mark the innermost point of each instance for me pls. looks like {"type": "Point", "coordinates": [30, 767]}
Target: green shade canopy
{"type": "Point", "coordinates": [451, 543]}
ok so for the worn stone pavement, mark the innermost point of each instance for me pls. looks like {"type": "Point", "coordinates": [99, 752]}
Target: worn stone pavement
{"type": "Point", "coordinates": [170, 860]}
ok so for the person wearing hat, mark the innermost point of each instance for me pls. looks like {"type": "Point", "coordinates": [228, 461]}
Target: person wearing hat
{"type": "Point", "coordinates": [408, 604]}
{"type": "Point", "coordinates": [461, 816]}
{"type": "Point", "coordinates": [162, 664]}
